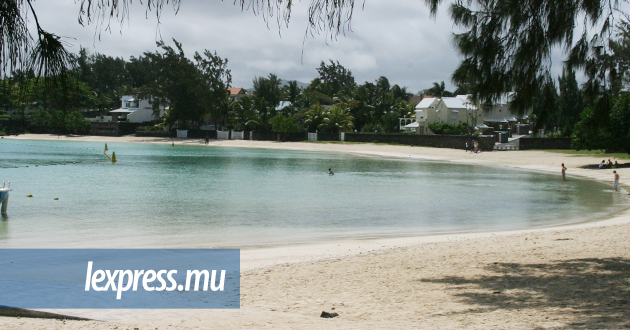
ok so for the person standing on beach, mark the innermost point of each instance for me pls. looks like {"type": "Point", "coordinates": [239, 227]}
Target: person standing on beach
{"type": "Point", "coordinates": [564, 172]}
{"type": "Point", "coordinates": [616, 182]}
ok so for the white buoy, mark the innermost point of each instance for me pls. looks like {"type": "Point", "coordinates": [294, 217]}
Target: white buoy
{"type": "Point", "coordinates": [4, 196]}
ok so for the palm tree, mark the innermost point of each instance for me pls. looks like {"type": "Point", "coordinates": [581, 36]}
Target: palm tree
{"type": "Point", "coordinates": [337, 119]}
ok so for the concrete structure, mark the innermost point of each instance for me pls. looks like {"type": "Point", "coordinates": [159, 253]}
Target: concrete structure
{"type": "Point", "coordinates": [134, 111]}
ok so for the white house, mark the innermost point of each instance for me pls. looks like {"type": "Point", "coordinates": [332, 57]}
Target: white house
{"type": "Point", "coordinates": [135, 111]}
{"type": "Point", "coordinates": [282, 105]}
{"type": "Point", "coordinates": [451, 110]}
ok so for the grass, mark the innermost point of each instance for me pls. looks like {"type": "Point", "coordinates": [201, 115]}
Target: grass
{"type": "Point", "coordinates": [593, 153]}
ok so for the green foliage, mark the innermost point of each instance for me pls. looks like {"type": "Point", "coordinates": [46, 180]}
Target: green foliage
{"type": "Point", "coordinates": [400, 109]}
{"type": "Point", "coordinates": [449, 129]}
{"type": "Point", "coordinates": [106, 76]}
{"type": "Point", "coordinates": [313, 118]}
{"type": "Point", "coordinates": [438, 90]}
{"type": "Point", "coordinates": [268, 89]}
{"type": "Point", "coordinates": [592, 131]}
{"type": "Point", "coordinates": [282, 124]}
{"type": "Point", "coordinates": [333, 78]}
{"type": "Point", "coordinates": [192, 89]}
{"type": "Point", "coordinates": [62, 122]}
{"type": "Point", "coordinates": [506, 46]}
{"type": "Point", "coordinates": [620, 125]}
{"type": "Point", "coordinates": [337, 119]}
{"type": "Point", "coordinates": [570, 103]}
{"type": "Point", "coordinates": [372, 128]}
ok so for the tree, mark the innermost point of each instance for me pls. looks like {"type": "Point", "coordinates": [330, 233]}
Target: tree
{"type": "Point", "coordinates": [401, 109]}
{"type": "Point", "coordinates": [268, 89]}
{"type": "Point", "coordinates": [337, 119]}
{"type": "Point", "coordinates": [507, 45]}
{"type": "Point", "coordinates": [593, 129]}
{"type": "Point", "coordinates": [216, 79]}
{"type": "Point", "coordinates": [438, 90]}
{"type": "Point", "coordinates": [314, 117]}
{"type": "Point", "coordinates": [570, 102]}
{"type": "Point", "coordinates": [334, 77]}
{"type": "Point", "coordinates": [400, 93]}
{"type": "Point", "coordinates": [292, 91]}
{"type": "Point", "coordinates": [107, 76]}
{"type": "Point", "coordinates": [243, 114]}
{"type": "Point", "coordinates": [282, 124]}
{"type": "Point", "coordinates": [48, 56]}
{"type": "Point", "coordinates": [191, 89]}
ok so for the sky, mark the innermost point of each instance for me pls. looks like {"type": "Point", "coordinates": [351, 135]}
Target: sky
{"type": "Point", "coordinates": [396, 39]}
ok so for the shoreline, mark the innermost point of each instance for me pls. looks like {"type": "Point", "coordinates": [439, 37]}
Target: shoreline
{"type": "Point", "coordinates": [276, 254]}
{"type": "Point", "coordinates": [369, 282]}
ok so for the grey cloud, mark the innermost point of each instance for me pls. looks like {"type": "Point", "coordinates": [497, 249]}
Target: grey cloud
{"type": "Point", "coordinates": [396, 39]}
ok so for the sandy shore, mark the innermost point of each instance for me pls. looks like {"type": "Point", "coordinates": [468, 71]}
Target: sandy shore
{"type": "Point", "coordinates": [559, 278]}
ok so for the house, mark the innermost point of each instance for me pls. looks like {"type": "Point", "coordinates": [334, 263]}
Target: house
{"type": "Point", "coordinates": [236, 92]}
{"type": "Point", "coordinates": [451, 110]}
{"type": "Point", "coordinates": [282, 105]}
{"type": "Point", "coordinates": [500, 117]}
{"type": "Point", "coordinates": [135, 111]}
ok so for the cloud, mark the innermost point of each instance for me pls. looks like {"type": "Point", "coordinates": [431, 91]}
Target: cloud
{"type": "Point", "coordinates": [395, 39]}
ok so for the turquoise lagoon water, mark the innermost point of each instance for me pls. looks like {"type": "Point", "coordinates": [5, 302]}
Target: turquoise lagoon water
{"type": "Point", "coordinates": [198, 196]}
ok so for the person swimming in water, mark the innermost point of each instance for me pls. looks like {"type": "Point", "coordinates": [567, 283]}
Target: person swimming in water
{"type": "Point", "coordinates": [330, 171]}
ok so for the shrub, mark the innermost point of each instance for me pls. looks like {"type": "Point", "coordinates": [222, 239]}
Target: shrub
{"type": "Point", "coordinates": [449, 129]}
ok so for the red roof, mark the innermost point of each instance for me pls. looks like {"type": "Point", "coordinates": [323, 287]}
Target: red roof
{"type": "Point", "coordinates": [236, 90]}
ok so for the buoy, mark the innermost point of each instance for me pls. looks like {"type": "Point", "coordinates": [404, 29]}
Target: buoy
{"type": "Point", "coordinates": [36, 165]}
{"type": "Point", "coordinates": [16, 167]}
{"type": "Point", "coordinates": [26, 165]}
{"type": "Point", "coordinates": [56, 198]}
{"type": "Point", "coordinates": [64, 163]}
{"type": "Point", "coordinates": [29, 195]}
{"type": "Point", "coordinates": [106, 147]}
{"type": "Point", "coordinates": [114, 157]}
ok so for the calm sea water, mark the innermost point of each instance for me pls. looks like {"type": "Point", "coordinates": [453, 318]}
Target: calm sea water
{"type": "Point", "coordinates": [197, 196]}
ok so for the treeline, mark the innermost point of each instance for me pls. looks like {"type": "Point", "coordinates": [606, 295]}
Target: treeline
{"type": "Point", "coordinates": [596, 113]}
{"type": "Point", "coordinates": [195, 92]}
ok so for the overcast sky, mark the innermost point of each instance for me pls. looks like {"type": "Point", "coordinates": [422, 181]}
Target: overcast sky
{"type": "Point", "coordinates": [396, 39]}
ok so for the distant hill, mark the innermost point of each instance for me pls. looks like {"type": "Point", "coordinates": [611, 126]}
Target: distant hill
{"type": "Point", "coordinates": [299, 83]}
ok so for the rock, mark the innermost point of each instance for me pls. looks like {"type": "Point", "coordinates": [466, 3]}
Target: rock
{"type": "Point", "coordinates": [327, 315]}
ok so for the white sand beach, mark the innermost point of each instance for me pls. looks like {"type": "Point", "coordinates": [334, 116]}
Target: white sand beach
{"type": "Point", "coordinates": [566, 277]}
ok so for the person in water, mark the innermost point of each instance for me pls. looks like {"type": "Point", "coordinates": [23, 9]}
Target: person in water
{"type": "Point", "coordinates": [564, 172]}
{"type": "Point", "coordinates": [330, 171]}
